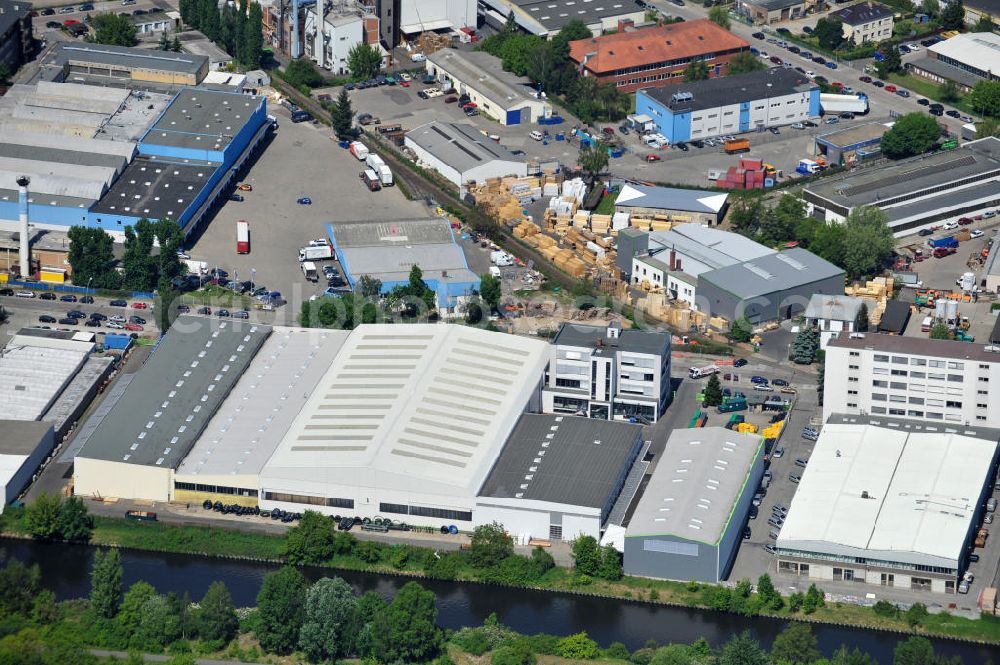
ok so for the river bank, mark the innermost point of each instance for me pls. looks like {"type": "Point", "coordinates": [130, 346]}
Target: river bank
{"type": "Point", "coordinates": [65, 569]}
{"type": "Point", "coordinates": [415, 562]}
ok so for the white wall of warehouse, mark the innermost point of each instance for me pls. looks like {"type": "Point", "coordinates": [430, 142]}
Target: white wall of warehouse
{"type": "Point", "coordinates": [460, 13]}
{"type": "Point", "coordinates": [92, 477]}
{"type": "Point", "coordinates": [525, 519]}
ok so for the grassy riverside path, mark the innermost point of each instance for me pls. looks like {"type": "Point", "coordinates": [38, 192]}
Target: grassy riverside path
{"type": "Point", "coordinates": [408, 560]}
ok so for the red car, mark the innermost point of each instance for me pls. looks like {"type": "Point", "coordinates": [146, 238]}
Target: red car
{"type": "Point", "coordinates": [139, 305]}
{"type": "Point", "coordinates": [837, 84]}
{"type": "Point", "coordinates": [942, 252]}
{"type": "Point", "coordinates": [653, 158]}
{"type": "Point", "coordinates": [890, 88]}
{"type": "Point", "coordinates": [70, 21]}
{"type": "Point", "coordinates": [608, 131]}
{"type": "Point", "coordinates": [134, 327]}
{"type": "Point", "coordinates": [865, 79]}
{"type": "Point", "coordinates": [469, 105]}
{"type": "Point", "coordinates": [451, 99]}
{"type": "Point", "coordinates": [964, 220]}
{"type": "Point", "coordinates": [405, 84]}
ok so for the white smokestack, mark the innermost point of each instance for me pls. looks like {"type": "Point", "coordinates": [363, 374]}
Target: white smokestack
{"type": "Point", "coordinates": [24, 255]}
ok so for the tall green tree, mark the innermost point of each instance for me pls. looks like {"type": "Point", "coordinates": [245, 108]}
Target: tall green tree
{"type": "Point", "coordinates": [571, 32]}
{"type": "Point", "coordinates": [779, 224]}
{"type": "Point", "coordinates": [911, 134]}
{"type": "Point", "coordinates": [281, 610]}
{"type": "Point", "coordinates": [130, 612]}
{"type": "Point", "coordinates": [164, 43]}
{"type": "Point", "coordinates": [329, 611]}
{"type": "Point", "coordinates": [914, 650]}
{"type": "Point", "coordinates": [217, 618]}
{"type": "Point", "coordinates": [828, 243]}
{"type": "Point", "coordinates": [713, 391]}
{"type": "Point", "coordinates": [940, 330]}
{"type": "Point", "coordinates": [370, 287]}
{"type": "Point", "coordinates": [829, 32]}
{"type": "Point", "coordinates": [91, 256]}
{"type": "Point", "coordinates": [843, 656]}
{"type": "Point", "coordinates": [106, 583]}
{"type": "Point", "coordinates": [407, 630]}
{"type": "Point", "coordinates": [364, 61]}
{"type": "Point", "coordinates": [985, 98]}
{"type": "Point", "coordinates": [743, 649]}
{"type": "Point", "coordinates": [490, 544]}
{"type": "Point", "coordinates": [696, 70]}
{"type": "Point", "coordinates": [741, 330]}
{"type": "Point", "coordinates": [861, 320]}
{"type": "Point", "coordinates": [984, 24]}
{"type": "Point", "coordinates": [949, 92]}
{"type": "Point", "coordinates": [42, 516]}
{"type": "Point", "coordinates": [953, 16]}
{"type": "Point", "coordinates": [342, 116]}
{"type": "Point", "coordinates": [578, 647]}
{"type": "Point", "coordinates": [593, 159]}
{"type": "Point", "coordinates": [744, 63]}
{"type": "Point", "coordinates": [113, 29]}
{"type": "Point", "coordinates": [986, 127]}
{"type": "Point", "coordinates": [75, 523]}
{"type": "Point", "coordinates": [138, 265]}
{"type": "Point", "coordinates": [169, 237]}
{"type": "Point", "coordinates": [891, 63]}
{"type": "Point", "coordinates": [311, 541]}
{"type": "Point", "coordinates": [796, 645]}
{"type": "Point", "coordinates": [868, 241]}
{"type": "Point", "coordinates": [19, 585]}
{"type": "Point", "coordinates": [490, 288]}
{"type": "Point", "coordinates": [586, 555]}
{"type": "Point", "coordinates": [720, 16]}
{"type": "Point", "coordinates": [253, 37]}
{"type": "Point", "coordinates": [745, 214]}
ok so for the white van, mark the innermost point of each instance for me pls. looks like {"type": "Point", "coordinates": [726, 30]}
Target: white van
{"type": "Point", "coordinates": [536, 135]}
{"type": "Point", "coordinates": [418, 57]}
{"type": "Point", "coordinates": [25, 294]}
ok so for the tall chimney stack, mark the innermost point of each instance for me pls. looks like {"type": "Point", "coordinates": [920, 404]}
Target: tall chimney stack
{"type": "Point", "coordinates": [24, 255]}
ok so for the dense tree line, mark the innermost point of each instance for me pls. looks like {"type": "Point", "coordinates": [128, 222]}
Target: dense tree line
{"type": "Point", "coordinates": [237, 29]}
{"type": "Point", "coordinates": [111, 28]}
{"type": "Point", "coordinates": [91, 256]}
{"type": "Point", "coordinates": [546, 62]}
{"type": "Point", "coordinates": [861, 245]}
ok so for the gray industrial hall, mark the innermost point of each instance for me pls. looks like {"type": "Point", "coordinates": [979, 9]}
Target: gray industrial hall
{"type": "Point", "coordinates": [690, 519]}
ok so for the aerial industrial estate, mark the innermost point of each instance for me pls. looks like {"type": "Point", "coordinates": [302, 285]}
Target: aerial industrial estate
{"type": "Point", "coordinates": [638, 289]}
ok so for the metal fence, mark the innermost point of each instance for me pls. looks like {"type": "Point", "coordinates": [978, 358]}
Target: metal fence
{"type": "Point", "coordinates": [70, 288]}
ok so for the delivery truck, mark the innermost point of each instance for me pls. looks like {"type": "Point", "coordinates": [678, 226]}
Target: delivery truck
{"type": "Point", "coordinates": [359, 150]}
{"type": "Point", "coordinates": [242, 237]}
{"type": "Point", "coordinates": [315, 253]}
{"type": "Point", "coordinates": [946, 242]}
{"type": "Point", "coordinates": [376, 164]}
{"type": "Point", "coordinates": [371, 180]}
{"type": "Point", "coordinates": [699, 372]}
{"type": "Point", "coordinates": [309, 271]}
{"type": "Point", "coordinates": [834, 104]}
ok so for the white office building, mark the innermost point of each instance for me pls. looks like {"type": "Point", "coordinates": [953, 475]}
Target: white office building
{"type": "Point", "coordinates": [608, 373]}
{"type": "Point", "coordinates": [888, 502]}
{"type": "Point", "coordinates": [339, 33]}
{"type": "Point", "coordinates": [925, 379]}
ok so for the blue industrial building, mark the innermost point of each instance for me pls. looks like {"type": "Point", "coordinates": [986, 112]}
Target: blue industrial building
{"type": "Point", "coordinates": [118, 155]}
{"type": "Point", "coordinates": [730, 105]}
{"type": "Point", "coordinates": [186, 161]}
{"type": "Point", "coordinates": [388, 250]}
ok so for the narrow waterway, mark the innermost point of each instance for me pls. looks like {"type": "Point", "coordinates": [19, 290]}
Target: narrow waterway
{"type": "Point", "coordinates": [66, 570]}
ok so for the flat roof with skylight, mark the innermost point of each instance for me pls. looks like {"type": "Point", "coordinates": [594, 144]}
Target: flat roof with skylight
{"type": "Point", "coordinates": [696, 484]}
{"type": "Point", "coordinates": [420, 408]}
{"type": "Point", "coordinates": [155, 187]}
{"type": "Point", "coordinates": [203, 119]}
{"type": "Point", "coordinates": [890, 490]}
{"type": "Point", "coordinates": [35, 371]}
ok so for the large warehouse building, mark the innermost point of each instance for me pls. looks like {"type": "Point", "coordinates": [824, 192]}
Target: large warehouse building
{"type": "Point", "coordinates": [558, 477]}
{"type": "Point", "coordinates": [401, 421]}
{"type": "Point", "coordinates": [122, 66]}
{"type": "Point", "coordinates": [547, 17]}
{"type": "Point", "coordinates": [388, 251]}
{"type": "Point", "coordinates": [730, 105]}
{"type": "Point", "coordinates": [678, 205]}
{"type": "Point", "coordinates": [24, 445]}
{"type": "Point", "coordinates": [916, 193]}
{"type": "Point", "coordinates": [889, 502]}
{"type": "Point", "coordinates": [461, 154]}
{"type": "Point", "coordinates": [689, 522]}
{"type": "Point", "coordinates": [479, 75]}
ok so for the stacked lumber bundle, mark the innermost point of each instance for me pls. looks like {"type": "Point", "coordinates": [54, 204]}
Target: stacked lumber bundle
{"type": "Point", "coordinates": [430, 42]}
{"type": "Point", "coordinates": [600, 224]}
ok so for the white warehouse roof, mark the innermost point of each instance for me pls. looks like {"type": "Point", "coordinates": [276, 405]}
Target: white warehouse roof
{"type": "Point", "coordinates": [257, 413]}
{"type": "Point", "coordinates": [34, 375]}
{"type": "Point", "coordinates": [975, 48]}
{"type": "Point", "coordinates": [423, 408]}
{"type": "Point", "coordinates": [890, 489]}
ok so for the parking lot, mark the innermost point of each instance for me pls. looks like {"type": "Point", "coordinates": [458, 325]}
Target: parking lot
{"type": "Point", "coordinates": [25, 313]}
{"type": "Point", "coordinates": [302, 160]}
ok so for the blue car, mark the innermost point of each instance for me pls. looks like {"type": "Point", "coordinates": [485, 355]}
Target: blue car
{"type": "Point", "coordinates": [831, 65]}
{"type": "Point", "coordinates": [305, 201]}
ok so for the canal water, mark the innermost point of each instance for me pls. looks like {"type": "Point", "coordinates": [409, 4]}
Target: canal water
{"type": "Point", "coordinates": [66, 570]}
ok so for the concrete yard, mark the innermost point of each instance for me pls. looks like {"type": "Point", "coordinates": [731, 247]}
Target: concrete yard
{"type": "Point", "coordinates": [301, 161]}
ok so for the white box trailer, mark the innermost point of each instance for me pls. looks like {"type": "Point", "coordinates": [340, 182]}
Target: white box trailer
{"type": "Point", "coordinates": [309, 271]}
{"type": "Point", "coordinates": [832, 104]}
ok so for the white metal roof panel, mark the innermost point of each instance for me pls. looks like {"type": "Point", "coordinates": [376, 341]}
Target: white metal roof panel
{"type": "Point", "coordinates": [411, 405]}
{"type": "Point", "coordinates": [975, 48]}
{"type": "Point", "coordinates": [895, 491]}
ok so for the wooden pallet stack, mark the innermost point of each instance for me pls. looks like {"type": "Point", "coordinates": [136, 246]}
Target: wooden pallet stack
{"type": "Point", "coordinates": [430, 42]}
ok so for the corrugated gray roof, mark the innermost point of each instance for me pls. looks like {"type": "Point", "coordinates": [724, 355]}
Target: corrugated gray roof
{"type": "Point", "coordinates": [127, 57]}
{"type": "Point", "coordinates": [833, 307]}
{"type": "Point", "coordinates": [21, 437]}
{"type": "Point", "coordinates": [564, 459]}
{"type": "Point", "coordinates": [772, 273]}
{"type": "Point", "coordinates": [460, 145]}
{"type": "Point", "coordinates": [178, 389]}
{"type": "Point", "coordinates": [696, 484]}
{"type": "Point", "coordinates": [481, 71]}
{"type": "Point", "coordinates": [941, 68]}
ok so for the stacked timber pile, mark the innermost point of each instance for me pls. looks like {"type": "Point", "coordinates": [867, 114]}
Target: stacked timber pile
{"type": "Point", "coordinates": [673, 312]}
{"type": "Point", "coordinates": [504, 199]}
{"type": "Point", "coordinates": [430, 42]}
{"type": "Point", "coordinates": [876, 292]}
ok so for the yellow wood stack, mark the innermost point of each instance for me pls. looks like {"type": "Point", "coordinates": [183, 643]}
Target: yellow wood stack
{"type": "Point", "coordinates": [526, 229]}
{"type": "Point", "coordinates": [581, 219]}
{"type": "Point", "coordinates": [672, 312]}
{"type": "Point", "coordinates": [600, 224]}
{"type": "Point", "coordinates": [430, 42]}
